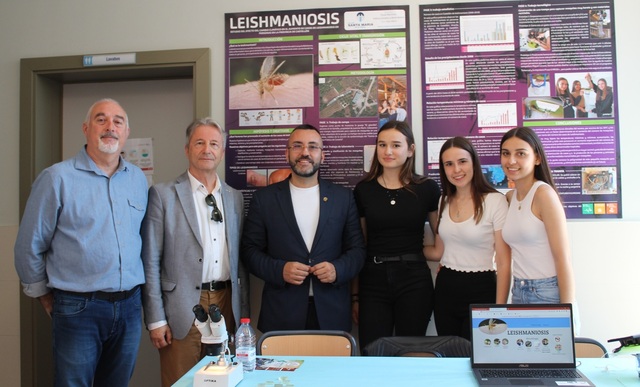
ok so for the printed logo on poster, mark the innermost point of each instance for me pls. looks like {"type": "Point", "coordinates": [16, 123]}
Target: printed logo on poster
{"type": "Point", "coordinates": [587, 209]}
{"type": "Point", "coordinates": [388, 19]}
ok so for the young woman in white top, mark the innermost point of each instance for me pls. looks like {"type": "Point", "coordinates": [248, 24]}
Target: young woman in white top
{"type": "Point", "coordinates": [536, 227]}
{"type": "Point", "coordinates": [468, 237]}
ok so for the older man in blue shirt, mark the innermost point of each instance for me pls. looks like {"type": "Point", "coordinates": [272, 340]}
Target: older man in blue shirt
{"type": "Point", "coordinates": [78, 251]}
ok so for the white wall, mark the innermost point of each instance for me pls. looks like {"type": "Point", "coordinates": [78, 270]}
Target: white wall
{"type": "Point", "coordinates": [604, 252]}
{"type": "Point", "coordinates": [159, 109]}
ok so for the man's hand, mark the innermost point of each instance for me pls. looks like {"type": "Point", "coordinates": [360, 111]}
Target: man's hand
{"type": "Point", "coordinates": [295, 272]}
{"type": "Point", "coordinates": [325, 271]}
{"type": "Point", "coordinates": [47, 303]}
{"type": "Point", "coordinates": [161, 337]}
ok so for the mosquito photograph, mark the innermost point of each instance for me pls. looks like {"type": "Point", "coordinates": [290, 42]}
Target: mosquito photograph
{"type": "Point", "coordinates": [271, 82]}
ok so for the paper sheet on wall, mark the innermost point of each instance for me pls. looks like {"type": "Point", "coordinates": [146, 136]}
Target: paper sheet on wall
{"type": "Point", "coordinates": [139, 152]}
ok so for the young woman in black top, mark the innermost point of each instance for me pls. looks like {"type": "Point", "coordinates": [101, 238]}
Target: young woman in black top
{"type": "Point", "coordinates": [394, 292]}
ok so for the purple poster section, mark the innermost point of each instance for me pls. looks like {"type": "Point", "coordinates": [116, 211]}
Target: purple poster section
{"type": "Point", "coordinates": [331, 68]}
{"type": "Point", "coordinates": [488, 67]}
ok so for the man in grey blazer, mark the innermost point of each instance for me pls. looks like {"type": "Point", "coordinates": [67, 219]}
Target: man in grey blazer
{"type": "Point", "coordinates": [191, 241]}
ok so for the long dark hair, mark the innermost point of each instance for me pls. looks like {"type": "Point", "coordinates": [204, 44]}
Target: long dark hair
{"type": "Point", "coordinates": [542, 171]}
{"type": "Point", "coordinates": [408, 173]}
{"type": "Point", "coordinates": [479, 184]}
{"type": "Point", "coordinates": [566, 92]}
{"type": "Point", "coordinates": [600, 92]}
{"type": "Point", "coordinates": [573, 85]}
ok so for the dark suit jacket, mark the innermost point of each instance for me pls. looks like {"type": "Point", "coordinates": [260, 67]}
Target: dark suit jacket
{"type": "Point", "coordinates": [271, 238]}
{"type": "Point", "coordinates": [172, 255]}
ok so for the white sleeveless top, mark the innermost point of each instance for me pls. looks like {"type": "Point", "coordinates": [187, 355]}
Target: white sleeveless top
{"type": "Point", "coordinates": [525, 233]}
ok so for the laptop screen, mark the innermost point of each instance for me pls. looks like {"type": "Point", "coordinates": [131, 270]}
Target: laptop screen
{"type": "Point", "coordinates": [536, 335]}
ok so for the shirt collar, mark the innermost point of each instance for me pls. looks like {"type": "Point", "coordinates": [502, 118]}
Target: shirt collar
{"type": "Point", "coordinates": [84, 162]}
{"type": "Point", "coordinates": [196, 185]}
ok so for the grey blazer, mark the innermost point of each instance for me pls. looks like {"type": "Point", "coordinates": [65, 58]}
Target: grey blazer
{"type": "Point", "coordinates": [172, 255]}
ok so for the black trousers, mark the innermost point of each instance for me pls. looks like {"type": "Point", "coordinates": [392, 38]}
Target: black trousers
{"type": "Point", "coordinates": [312, 316]}
{"type": "Point", "coordinates": [455, 291]}
{"type": "Point", "coordinates": [396, 298]}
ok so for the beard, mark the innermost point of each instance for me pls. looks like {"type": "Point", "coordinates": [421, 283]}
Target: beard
{"type": "Point", "coordinates": [108, 147]}
{"type": "Point", "coordinates": [309, 171]}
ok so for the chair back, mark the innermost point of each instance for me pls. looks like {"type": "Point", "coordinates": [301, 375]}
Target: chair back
{"type": "Point", "coordinates": [306, 343]}
{"type": "Point", "coordinates": [586, 347]}
{"type": "Point", "coordinates": [423, 346]}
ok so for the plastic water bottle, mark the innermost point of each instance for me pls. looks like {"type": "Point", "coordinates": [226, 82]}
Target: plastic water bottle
{"type": "Point", "coordinates": [246, 345]}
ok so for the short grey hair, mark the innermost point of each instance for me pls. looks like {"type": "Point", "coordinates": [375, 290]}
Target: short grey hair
{"type": "Point", "coordinates": [206, 121]}
{"type": "Point", "coordinates": [87, 118]}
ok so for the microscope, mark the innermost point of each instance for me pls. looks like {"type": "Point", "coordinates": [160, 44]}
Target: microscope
{"type": "Point", "coordinates": [213, 330]}
{"type": "Point", "coordinates": [219, 372]}
{"type": "Point", "coordinates": [629, 346]}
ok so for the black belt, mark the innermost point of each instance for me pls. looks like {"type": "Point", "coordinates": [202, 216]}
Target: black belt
{"type": "Point", "coordinates": [215, 285]}
{"type": "Point", "coordinates": [398, 258]}
{"type": "Point", "coordinates": [104, 296]}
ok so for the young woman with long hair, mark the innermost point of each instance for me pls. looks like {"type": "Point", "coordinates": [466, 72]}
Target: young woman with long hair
{"type": "Point", "coordinates": [394, 292]}
{"type": "Point", "coordinates": [536, 226]}
{"type": "Point", "coordinates": [469, 235]}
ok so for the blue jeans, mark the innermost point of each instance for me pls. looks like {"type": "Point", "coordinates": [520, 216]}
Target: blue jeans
{"type": "Point", "coordinates": [95, 342]}
{"type": "Point", "coordinates": [537, 291]}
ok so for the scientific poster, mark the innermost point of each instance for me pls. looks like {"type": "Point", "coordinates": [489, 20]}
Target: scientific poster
{"type": "Point", "coordinates": [331, 68]}
{"type": "Point", "coordinates": [551, 66]}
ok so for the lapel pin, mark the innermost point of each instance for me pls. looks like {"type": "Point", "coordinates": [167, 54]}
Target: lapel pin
{"type": "Point", "coordinates": [325, 199]}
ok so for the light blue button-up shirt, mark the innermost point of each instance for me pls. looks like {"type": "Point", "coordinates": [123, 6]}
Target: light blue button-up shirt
{"type": "Point", "coordinates": [81, 229]}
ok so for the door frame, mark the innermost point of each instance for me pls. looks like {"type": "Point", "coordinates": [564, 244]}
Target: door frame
{"type": "Point", "coordinates": [41, 93]}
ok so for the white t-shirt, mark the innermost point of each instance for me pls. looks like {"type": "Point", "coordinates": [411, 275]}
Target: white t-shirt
{"type": "Point", "coordinates": [306, 207]}
{"type": "Point", "coordinates": [469, 246]}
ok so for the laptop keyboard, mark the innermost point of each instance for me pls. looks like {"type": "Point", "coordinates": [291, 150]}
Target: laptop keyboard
{"type": "Point", "coordinates": [529, 373]}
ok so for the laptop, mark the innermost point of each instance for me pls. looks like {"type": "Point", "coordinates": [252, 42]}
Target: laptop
{"type": "Point", "coordinates": [524, 345]}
